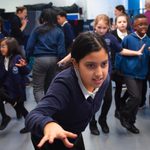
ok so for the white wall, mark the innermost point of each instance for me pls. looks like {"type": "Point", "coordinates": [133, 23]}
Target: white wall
{"type": "Point", "coordinates": [91, 8]}
{"type": "Point", "coordinates": [10, 5]}
{"type": "Point", "coordinates": [95, 7]}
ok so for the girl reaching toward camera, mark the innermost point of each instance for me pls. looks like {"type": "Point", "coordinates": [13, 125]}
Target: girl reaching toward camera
{"type": "Point", "coordinates": [73, 97]}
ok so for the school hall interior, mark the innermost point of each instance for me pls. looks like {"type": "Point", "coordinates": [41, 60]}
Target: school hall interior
{"type": "Point", "coordinates": [80, 14]}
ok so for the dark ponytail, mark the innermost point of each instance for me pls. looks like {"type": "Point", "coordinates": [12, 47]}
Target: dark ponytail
{"type": "Point", "coordinates": [48, 19]}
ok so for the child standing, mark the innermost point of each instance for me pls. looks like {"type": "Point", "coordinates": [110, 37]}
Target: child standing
{"type": "Point", "coordinates": [46, 45]}
{"type": "Point", "coordinates": [73, 97]}
{"type": "Point", "coordinates": [121, 31]}
{"type": "Point", "coordinates": [135, 70]}
{"type": "Point", "coordinates": [67, 29]}
{"type": "Point", "coordinates": [18, 24]}
{"type": "Point", "coordinates": [12, 76]}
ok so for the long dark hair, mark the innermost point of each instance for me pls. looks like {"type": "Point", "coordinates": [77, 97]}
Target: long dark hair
{"type": "Point", "coordinates": [13, 46]}
{"type": "Point", "coordinates": [86, 43]}
{"type": "Point", "coordinates": [48, 19]}
{"type": "Point", "coordinates": [121, 8]}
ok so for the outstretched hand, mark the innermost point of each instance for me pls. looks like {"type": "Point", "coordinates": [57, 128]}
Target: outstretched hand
{"type": "Point", "coordinates": [21, 63]}
{"type": "Point", "coordinates": [140, 51]}
{"type": "Point", "coordinates": [65, 60]}
{"type": "Point", "coordinates": [54, 131]}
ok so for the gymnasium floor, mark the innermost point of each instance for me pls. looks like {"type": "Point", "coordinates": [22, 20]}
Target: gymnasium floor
{"type": "Point", "coordinates": [118, 138]}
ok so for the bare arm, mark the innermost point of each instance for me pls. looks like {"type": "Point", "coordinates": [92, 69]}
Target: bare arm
{"type": "Point", "coordinates": [127, 52]}
{"type": "Point", "coordinates": [65, 60]}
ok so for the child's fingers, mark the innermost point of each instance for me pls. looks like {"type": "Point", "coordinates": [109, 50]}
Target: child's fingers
{"type": "Point", "coordinates": [18, 65]}
{"type": "Point", "coordinates": [51, 140]}
{"type": "Point", "coordinates": [21, 63]}
{"type": "Point", "coordinates": [143, 46]}
{"type": "Point", "coordinates": [43, 140]}
{"type": "Point", "coordinates": [71, 135]}
{"type": "Point", "coordinates": [67, 143]}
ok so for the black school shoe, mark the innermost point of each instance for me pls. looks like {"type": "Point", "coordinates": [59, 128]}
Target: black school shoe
{"type": "Point", "coordinates": [93, 128]}
{"type": "Point", "coordinates": [134, 129]}
{"type": "Point", "coordinates": [5, 122]}
{"type": "Point", "coordinates": [130, 127]}
{"type": "Point", "coordinates": [104, 126]}
{"type": "Point", "coordinates": [125, 123]}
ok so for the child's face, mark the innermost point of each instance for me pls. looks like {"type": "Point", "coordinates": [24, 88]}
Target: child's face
{"type": "Point", "coordinates": [4, 48]}
{"type": "Point", "coordinates": [60, 19]}
{"type": "Point", "coordinates": [141, 26]}
{"type": "Point", "coordinates": [93, 69]}
{"type": "Point", "coordinates": [23, 14]}
{"type": "Point", "coordinates": [121, 23]}
{"type": "Point", "coordinates": [101, 28]}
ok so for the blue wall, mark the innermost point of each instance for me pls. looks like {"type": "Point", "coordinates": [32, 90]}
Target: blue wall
{"type": "Point", "coordinates": [133, 6]}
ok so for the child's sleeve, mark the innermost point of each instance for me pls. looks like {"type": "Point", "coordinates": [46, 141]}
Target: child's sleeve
{"type": "Point", "coordinates": [125, 42]}
{"type": "Point", "coordinates": [61, 45]}
{"type": "Point", "coordinates": [55, 100]}
{"type": "Point", "coordinates": [115, 45]}
{"type": "Point", "coordinates": [31, 43]}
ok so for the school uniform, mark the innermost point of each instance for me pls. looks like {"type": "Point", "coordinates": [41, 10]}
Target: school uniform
{"type": "Point", "coordinates": [12, 80]}
{"type": "Point", "coordinates": [117, 76]}
{"type": "Point", "coordinates": [135, 70]}
{"type": "Point", "coordinates": [18, 34]}
{"type": "Point", "coordinates": [46, 49]}
{"type": "Point", "coordinates": [3, 34]}
{"type": "Point", "coordinates": [68, 103]}
{"type": "Point", "coordinates": [16, 31]}
{"type": "Point", "coordinates": [68, 34]}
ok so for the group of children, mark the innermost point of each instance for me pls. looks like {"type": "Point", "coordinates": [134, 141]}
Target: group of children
{"type": "Point", "coordinates": [53, 114]}
{"type": "Point", "coordinates": [129, 68]}
{"type": "Point", "coordinates": [76, 93]}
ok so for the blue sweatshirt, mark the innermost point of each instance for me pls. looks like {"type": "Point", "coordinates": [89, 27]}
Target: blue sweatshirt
{"type": "Point", "coordinates": [134, 66]}
{"type": "Point", "coordinates": [112, 43]}
{"type": "Point", "coordinates": [50, 43]}
{"type": "Point", "coordinates": [13, 80]}
{"type": "Point", "coordinates": [65, 104]}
